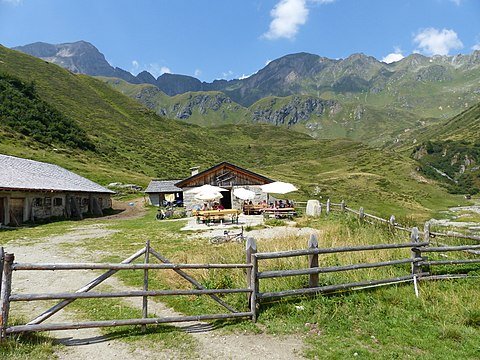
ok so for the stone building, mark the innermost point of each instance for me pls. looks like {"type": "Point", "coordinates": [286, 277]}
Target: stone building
{"type": "Point", "coordinates": [32, 190]}
{"type": "Point", "coordinates": [225, 175]}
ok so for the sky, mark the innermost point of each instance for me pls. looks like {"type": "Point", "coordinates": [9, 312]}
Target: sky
{"type": "Point", "coordinates": [227, 39]}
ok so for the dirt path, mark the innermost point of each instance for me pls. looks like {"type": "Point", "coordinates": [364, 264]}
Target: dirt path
{"type": "Point", "coordinates": [88, 344]}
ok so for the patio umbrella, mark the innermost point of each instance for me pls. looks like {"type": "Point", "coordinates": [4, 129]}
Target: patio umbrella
{"type": "Point", "coordinates": [278, 187]}
{"type": "Point", "coordinates": [206, 187]}
{"type": "Point", "coordinates": [208, 195]}
{"type": "Point", "coordinates": [244, 194]}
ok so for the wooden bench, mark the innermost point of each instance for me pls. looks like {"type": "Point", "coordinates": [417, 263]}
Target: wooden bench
{"type": "Point", "coordinates": [279, 213]}
{"type": "Point", "coordinates": [211, 216]}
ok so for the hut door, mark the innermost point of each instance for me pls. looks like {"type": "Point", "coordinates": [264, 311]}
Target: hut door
{"type": "Point", "coordinates": [2, 210]}
{"type": "Point", "coordinates": [16, 211]}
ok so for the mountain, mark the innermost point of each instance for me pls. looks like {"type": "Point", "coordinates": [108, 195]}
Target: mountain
{"type": "Point", "coordinates": [358, 97]}
{"type": "Point", "coordinates": [79, 57]}
{"type": "Point", "coordinates": [123, 141]}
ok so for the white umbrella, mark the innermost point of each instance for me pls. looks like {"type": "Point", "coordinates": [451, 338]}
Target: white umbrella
{"type": "Point", "coordinates": [278, 187]}
{"type": "Point", "coordinates": [208, 195]}
{"type": "Point", "coordinates": [244, 194]}
{"type": "Point", "coordinates": [206, 187]}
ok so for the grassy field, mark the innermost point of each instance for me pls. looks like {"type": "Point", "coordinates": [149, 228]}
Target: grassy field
{"type": "Point", "coordinates": [388, 322]}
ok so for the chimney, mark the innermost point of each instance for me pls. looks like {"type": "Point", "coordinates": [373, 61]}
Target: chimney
{"type": "Point", "coordinates": [194, 170]}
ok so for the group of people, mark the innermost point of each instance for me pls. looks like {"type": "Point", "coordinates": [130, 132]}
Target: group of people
{"type": "Point", "coordinates": [215, 206]}
{"type": "Point", "coordinates": [281, 204]}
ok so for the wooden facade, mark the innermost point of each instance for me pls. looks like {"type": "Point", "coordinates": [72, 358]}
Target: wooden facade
{"type": "Point", "coordinates": [227, 176]}
{"type": "Point", "coordinates": [17, 207]}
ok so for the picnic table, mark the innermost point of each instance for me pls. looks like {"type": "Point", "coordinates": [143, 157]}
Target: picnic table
{"type": "Point", "coordinates": [279, 212]}
{"type": "Point", "coordinates": [210, 216]}
{"type": "Point", "coordinates": [253, 209]}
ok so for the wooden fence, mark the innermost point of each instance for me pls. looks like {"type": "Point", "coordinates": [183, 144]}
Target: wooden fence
{"type": "Point", "coordinates": [420, 266]}
{"type": "Point", "coordinates": [6, 296]}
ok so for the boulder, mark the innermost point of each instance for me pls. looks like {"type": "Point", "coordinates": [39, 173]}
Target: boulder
{"type": "Point", "coordinates": [313, 208]}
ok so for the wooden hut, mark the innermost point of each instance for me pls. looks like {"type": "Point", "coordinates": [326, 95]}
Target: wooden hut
{"type": "Point", "coordinates": [227, 176]}
{"type": "Point", "coordinates": [32, 190]}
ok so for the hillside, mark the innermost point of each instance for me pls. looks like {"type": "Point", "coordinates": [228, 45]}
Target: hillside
{"type": "Point", "coordinates": [450, 152]}
{"type": "Point", "coordinates": [372, 101]}
{"type": "Point", "coordinates": [132, 144]}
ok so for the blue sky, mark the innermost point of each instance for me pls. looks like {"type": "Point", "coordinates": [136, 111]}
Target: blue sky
{"type": "Point", "coordinates": [225, 39]}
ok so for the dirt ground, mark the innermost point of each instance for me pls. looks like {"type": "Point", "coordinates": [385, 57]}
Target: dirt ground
{"type": "Point", "coordinates": [87, 344]}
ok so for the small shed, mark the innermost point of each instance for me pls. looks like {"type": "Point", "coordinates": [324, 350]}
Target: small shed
{"type": "Point", "coordinates": [32, 190]}
{"type": "Point", "coordinates": [161, 191]}
{"type": "Point", "coordinates": [227, 176]}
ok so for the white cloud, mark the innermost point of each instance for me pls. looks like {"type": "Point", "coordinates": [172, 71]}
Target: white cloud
{"type": "Point", "coordinates": [287, 16]}
{"type": "Point", "coordinates": [153, 68]}
{"type": "Point", "coordinates": [476, 47]}
{"type": "Point", "coordinates": [197, 73]}
{"type": "Point", "coordinates": [432, 41]}
{"type": "Point", "coordinates": [393, 57]}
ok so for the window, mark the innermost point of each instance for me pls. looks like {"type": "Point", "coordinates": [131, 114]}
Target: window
{"type": "Point", "coordinates": [57, 202]}
{"type": "Point", "coordinates": [37, 202]}
{"type": "Point", "coordinates": [47, 201]}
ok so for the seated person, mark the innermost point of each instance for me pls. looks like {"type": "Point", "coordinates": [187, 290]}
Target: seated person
{"type": "Point", "coordinates": [281, 204]}
{"type": "Point", "coordinates": [205, 207]}
{"type": "Point", "coordinates": [220, 207]}
{"type": "Point", "coordinates": [215, 206]}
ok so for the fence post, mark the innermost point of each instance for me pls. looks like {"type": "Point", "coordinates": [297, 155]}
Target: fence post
{"type": "Point", "coordinates": [392, 221]}
{"type": "Point", "coordinates": [426, 232]}
{"type": "Point", "coordinates": [251, 249]}
{"type": "Point", "coordinates": [328, 206]}
{"type": "Point", "coordinates": [342, 206]}
{"type": "Point", "coordinates": [5, 294]}
{"type": "Point", "coordinates": [252, 279]}
{"type": "Point", "coordinates": [313, 261]}
{"type": "Point", "coordinates": [2, 258]}
{"type": "Point", "coordinates": [145, 285]}
{"type": "Point", "coordinates": [361, 214]}
{"type": "Point", "coordinates": [416, 254]}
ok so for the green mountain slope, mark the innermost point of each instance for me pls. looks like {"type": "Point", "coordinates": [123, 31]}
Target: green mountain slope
{"type": "Point", "coordinates": [133, 144]}
{"type": "Point", "coordinates": [450, 152]}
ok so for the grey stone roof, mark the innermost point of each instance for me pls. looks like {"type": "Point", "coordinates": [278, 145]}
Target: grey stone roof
{"type": "Point", "coordinates": [24, 174]}
{"type": "Point", "coordinates": [163, 186]}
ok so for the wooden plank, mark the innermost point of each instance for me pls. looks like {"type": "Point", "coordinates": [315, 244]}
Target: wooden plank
{"type": "Point", "coordinates": [95, 282]}
{"type": "Point", "coordinates": [5, 294]}
{"type": "Point", "coordinates": [139, 293]}
{"type": "Point", "coordinates": [145, 285]}
{"type": "Point", "coordinates": [332, 288]}
{"type": "Point", "coordinates": [313, 261]}
{"type": "Point", "coordinates": [126, 322]}
{"type": "Point", "coordinates": [450, 248]}
{"type": "Point", "coordinates": [455, 235]}
{"type": "Point", "coordinates": [291, 253]}
{"type": "Point", "coordinates": [285, 273]}
{"type": "Point", "coordinates": [255, 286]}
{"type": "Point", "coordinates": [193, 281]}
{"type": "Point", "coordinates": [450, 262]}
{"type": "Point", "coordinates": [122, 266]}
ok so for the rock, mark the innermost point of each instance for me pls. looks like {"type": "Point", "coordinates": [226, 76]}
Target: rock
{"type": "Point", "coordinates": [313, 208]}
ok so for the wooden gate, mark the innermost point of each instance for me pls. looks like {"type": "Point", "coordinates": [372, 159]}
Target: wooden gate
{"type": "Point", "coordinates": [6, 296]}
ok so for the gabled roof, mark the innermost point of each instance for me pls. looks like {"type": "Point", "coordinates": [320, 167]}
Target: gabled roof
{"type": "Point", "coordinates": [163, 186]}
{"type": "Point", "coordinates": [23, 174]}
{"type": "Point", "coordinates": [225, 165]}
